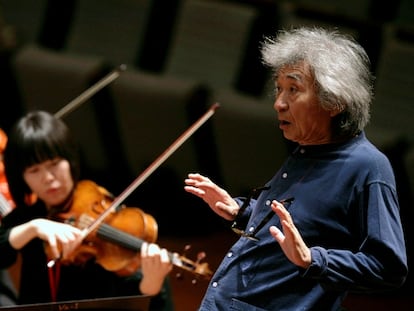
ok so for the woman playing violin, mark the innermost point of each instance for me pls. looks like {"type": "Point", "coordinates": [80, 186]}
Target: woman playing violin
{"type": "Point", "coordinates": [42, 169]}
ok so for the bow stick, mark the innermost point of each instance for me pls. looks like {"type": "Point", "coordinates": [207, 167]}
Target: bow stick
{"type": "Point", "coordinates": [84, 96]}
{"type": "Point", "coordinates": [147, 172]}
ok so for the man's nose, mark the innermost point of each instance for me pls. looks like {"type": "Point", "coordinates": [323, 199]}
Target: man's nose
{"type": "Point", "coordinates": [280, 103]}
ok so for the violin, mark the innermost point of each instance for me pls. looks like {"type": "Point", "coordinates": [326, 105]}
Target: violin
{"type": "Point", "coordinates": [108, 216]}
{"type": "Point", "coordinates": [116, 242]}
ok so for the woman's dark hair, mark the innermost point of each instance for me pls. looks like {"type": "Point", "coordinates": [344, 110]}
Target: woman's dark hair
{"type": "Point", "coordinates": [37, 137]}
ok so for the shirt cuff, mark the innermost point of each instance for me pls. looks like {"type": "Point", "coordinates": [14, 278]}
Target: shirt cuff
{"type": "Point", "coordinates": [319, 263]}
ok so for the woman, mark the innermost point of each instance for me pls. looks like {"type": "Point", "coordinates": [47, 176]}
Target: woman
{"type": "Point", "coordinates": [42, 169]}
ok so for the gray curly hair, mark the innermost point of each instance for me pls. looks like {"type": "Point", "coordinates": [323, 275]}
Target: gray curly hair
{"type": "Point", "coordinates": [341, 68]}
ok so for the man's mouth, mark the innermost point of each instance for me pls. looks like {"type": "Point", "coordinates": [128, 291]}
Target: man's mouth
{"type": "Point", "coordinates": [283, 122]}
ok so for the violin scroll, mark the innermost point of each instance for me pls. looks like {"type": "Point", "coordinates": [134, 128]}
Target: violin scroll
{"type": "Point", "coordinates": [198, 268]}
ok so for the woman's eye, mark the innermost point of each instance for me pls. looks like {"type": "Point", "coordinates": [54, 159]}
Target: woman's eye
{"type": "Point", "coordinates": [32, 170]}
{"type": "Point", "coordinates": [56, 161]}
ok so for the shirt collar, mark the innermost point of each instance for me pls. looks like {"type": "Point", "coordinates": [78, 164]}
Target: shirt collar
{"type": "Point", "coordinates": [316, 149]}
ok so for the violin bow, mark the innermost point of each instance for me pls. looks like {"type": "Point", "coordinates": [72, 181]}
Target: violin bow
{"type": "Point", "coordinates": [147, 172]}
{"type": "Point", "coordinates": [84, 96]}
{"type": "Point", "coordinates": [152, 167]}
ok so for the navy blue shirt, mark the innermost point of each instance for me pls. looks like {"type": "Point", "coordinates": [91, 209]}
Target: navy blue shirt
{"type": "Point", "coordinates": [346, 209]}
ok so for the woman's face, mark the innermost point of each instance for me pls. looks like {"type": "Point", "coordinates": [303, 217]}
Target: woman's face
{"type": "Point", "coordinates": [51, 181]}
{"type": "Point", "coordinates": [301, 118]}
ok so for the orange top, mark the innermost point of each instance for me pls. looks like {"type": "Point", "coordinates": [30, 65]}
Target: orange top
{"type": "Point", "coordinates": [4, 186]}
{"type": "Point", "coordinates": [3, 140]}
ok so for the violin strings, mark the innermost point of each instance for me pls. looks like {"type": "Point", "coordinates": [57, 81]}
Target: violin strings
{"type": "Point", "coordinates": [122, 238]}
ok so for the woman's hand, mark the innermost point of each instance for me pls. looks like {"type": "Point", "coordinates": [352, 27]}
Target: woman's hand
{"type": "Point", "coordinates": [217, 198]}
{"type": "Point", "coordinates": [62, 238]}
{"type": "Point", "coordinates": [155, 266]}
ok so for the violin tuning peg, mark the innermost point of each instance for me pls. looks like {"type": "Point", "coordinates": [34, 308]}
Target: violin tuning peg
{"type": "Point", "coordinates": [201, 256]}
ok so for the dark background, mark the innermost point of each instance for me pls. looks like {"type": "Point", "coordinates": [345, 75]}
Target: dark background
{"type": "Point", "coordinates": [378, 25]}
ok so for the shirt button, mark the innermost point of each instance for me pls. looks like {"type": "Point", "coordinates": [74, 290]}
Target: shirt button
{"type": "Point", "coordinates": [302, 150]}
{"type": "Point", "coordinates": [229, 254]}
{"type": "Point", "coordinates": [215, 284]}
{"type": "Point", "coordinates": [251, 229]}
{"type": "Point", "coordinates": [268, 202]}
{"type": "Point", "coordinates": [284, 175]}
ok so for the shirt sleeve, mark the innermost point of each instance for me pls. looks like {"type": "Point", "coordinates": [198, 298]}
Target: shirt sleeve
{"type": "Point", "coordinates": [8, 253]}
{"type": "Point", "coordinates": [380, 261]}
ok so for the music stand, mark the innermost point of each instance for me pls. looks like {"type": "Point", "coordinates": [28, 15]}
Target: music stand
{"type": "Point", "coordinates": [128, 303]}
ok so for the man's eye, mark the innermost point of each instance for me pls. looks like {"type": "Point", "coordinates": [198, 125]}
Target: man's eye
{"type": "Point", "coordinates": [277, 90]}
